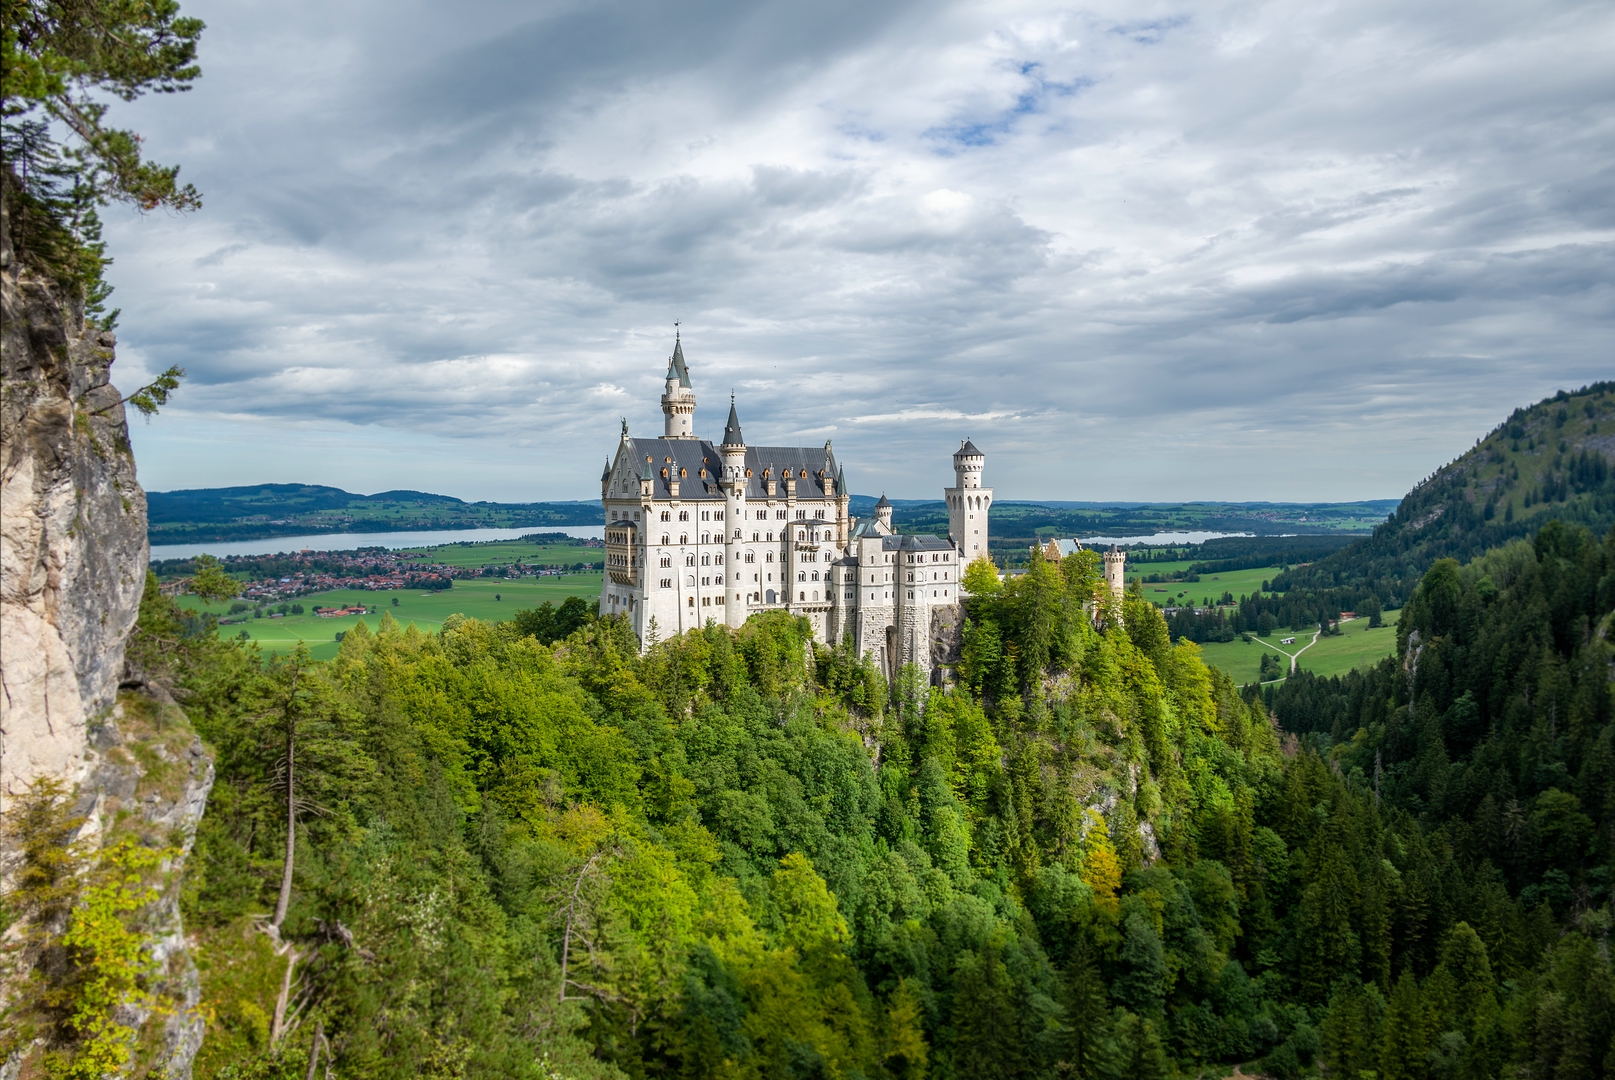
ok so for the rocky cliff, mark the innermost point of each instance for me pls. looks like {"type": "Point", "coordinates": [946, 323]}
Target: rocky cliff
{"type": "Point", "coordinates": [72, 568]}
{"type": "Point", "coordinates": [72, 526]}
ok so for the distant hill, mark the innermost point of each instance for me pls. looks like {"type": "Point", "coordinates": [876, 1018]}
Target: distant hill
{"type": "Point", "coordinates": [201, 515]}
{"type": "Point", "coordinates": [260, 511]}
{"type": "Point", "coordinates": [1553, 460]}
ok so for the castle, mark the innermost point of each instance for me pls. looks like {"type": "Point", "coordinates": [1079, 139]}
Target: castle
{"type": "Point", "coordinates": [697, 531]}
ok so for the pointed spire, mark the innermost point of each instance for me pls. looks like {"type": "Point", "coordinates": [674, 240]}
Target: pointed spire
{"type": "Point", "coordinates": [646, 473]}
{"type": "Point", "coordinates": [605, 474]}
{"type": "Point", "coordinates": [883, 501]}
{"type": "Point", "coordinates": [676, 365]}
{"type": "Point", "coordinates": [731, 430]}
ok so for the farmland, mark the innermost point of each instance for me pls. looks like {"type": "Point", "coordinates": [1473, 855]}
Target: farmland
{"type": "Point", "coordinates": [491, 599]}
{"type": "Point", "coordinates": [1356, 646]}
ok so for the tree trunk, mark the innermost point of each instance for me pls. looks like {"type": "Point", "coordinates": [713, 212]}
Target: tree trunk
{"type": "Point", "coordinates": [314, 1048]}
{"type": "Point", "coordinates": [291, 835]}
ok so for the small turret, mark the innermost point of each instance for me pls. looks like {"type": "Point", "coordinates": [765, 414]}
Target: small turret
{"type": "Point", "coordinates": [883, 513]}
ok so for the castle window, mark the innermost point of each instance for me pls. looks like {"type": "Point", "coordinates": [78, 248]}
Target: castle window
{"type": "Point", "coordinates": [667, 583]}
{"type": "Point", "coordinates": [801, 515]}
{"type": "Point", "coordinates": [801, 596]}
{"type": "Point", "coordinates": [717, 560]}
{"type": "Point", "coordinates": [706, 560]}
{"type": "Point", "coordinates": [761, 514]}
{"type": "Point", "coordinates": [684, 515]}
{"type": "Point", "coordinates": [705, 516]}
{"type": "Point", "coordinates": [684, 538]}
{"type": "Point", "coordinates": [666, 516]}
{"type": "Point", "coordinates": [779, 515]}
{"type": "Point", "coordinates": [689, 560]}
{"type": "Point", "coordinates": [692, 601]}
{"type": "Point", "coordinates": [800, 535]}
{"type": "Point", "coordinates": [768, 556]}
{"type": "Point", "coordinates": [667, 560]}
{"type": "Point", "coordinates": [801, 575]}
{"type": "Point", "coordinates": [755, 537]}
{"type": "Point", "coordinates": [664, 538]}
{"type": "Point", "coordinates": [770, 537]}
{"type": "Point", "coordinates": [750, 557]}
{"type": "Point", "coordinates": [717, 515]}
{"type": "Point", "coordinates": [815, 575]}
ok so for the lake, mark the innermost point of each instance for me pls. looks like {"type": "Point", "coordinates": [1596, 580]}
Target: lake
{"type": "Point", "coordinates": [349, 541]}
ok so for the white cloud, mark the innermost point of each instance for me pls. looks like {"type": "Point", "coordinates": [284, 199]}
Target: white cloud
{"type": "Point", "coordinates": [1141, 251]}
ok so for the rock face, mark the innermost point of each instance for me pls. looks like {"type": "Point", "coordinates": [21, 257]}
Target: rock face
{"type": "Point", "coordinates": [72, 527]}
{"type": "Point", "coordinates": [72, 568]}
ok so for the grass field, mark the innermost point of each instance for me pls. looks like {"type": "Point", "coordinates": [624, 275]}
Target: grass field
{"type": "Point", "coordinates": [1356, 646]}
{"type": "Point", "coordinates": [506, 552]}
{"type": "Point", "coordinates": [425, 609]}
{"type": "Point", "coordinates": [1238, 582]}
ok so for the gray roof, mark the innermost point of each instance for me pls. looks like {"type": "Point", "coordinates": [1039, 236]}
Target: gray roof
{"type": "Point", "coordinates": [676, 365]}
{"type": "Point", "coordinates": [731, 430]}
{"type": "Point", "coordinates": [968, 450]}
{"type": "Point", "coordinates": [693, 455]}
{"type": "Point", "coordinates": [883, 501]}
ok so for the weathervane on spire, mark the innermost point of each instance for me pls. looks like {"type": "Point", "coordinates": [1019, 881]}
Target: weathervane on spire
{"type": "Point", "coordinates": [675, 330]}
{"type": "Point", "coordinates": [625, 427]}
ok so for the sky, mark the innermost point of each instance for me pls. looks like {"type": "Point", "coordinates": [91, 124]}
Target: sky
{"type": "Point", "coordinates": [1300, 251]}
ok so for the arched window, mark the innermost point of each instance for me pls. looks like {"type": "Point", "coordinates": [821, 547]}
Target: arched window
{"type": "Point", "coordinates": [706, 560]}
{"type": "Point", "coordinates": [801, 575]}
{"type": "Point", "coordinates": [667, 515]}
{"type": "Point", "coordinates": [684, 538]}
{"type": "Point", "coordinates": [801, 596]}
{"type": "Point", "coordinates": [689, 560]}
{"type": "Point", "coordinates": [768, 556]}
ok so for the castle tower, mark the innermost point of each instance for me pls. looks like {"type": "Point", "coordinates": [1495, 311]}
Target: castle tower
{"type": "Point", "coordinates": [883, 513]}
{"type": "Point", "coordinates": [968, 502]}
{"type": "Point", "coordinates": [1116, 571]}
{"type": "Point", "coordinates": [678, 400]}
{"type": "Point", "coordinates": [734, 482]}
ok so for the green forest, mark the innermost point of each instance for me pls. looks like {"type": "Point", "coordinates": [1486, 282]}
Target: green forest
{"type": "Point", "coordinates": [742, 854]}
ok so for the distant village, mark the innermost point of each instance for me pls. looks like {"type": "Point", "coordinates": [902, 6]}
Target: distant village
{"type": "Point", "coordinates": [272, 578]}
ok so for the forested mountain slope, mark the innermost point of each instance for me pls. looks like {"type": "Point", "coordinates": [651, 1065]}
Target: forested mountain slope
{"type": "Point", "coordinates": [739, 855]}
{"type": "Point", "coordinates": [1552, 461]}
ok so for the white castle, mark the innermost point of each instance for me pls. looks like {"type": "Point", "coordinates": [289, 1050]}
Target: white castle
{"type": "Point", "coordinates": [699, 532]}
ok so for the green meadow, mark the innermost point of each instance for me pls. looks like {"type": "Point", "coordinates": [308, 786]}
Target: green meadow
{"type": "Point", "coordinates": [1238, 582]}
{"type": "Point", "coordinates": [1356, 646]}
{"type": "Point", "coordinates": [492, 599]}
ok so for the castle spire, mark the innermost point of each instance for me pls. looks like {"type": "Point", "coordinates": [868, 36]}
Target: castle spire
{"type": "Point", "coordinates": [731, 430]}
{"type": "Point", "coordinates": [678, 402]}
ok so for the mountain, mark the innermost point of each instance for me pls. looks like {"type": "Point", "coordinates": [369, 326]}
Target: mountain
{"type": "Point", "coordinates": [1550, 461]}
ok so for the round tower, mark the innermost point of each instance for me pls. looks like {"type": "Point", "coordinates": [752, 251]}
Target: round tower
{"type": "Point", "coordinates": [968, 503]}
{"type": "Point", "coordinates": [678, 399]}
{"type": "Point", "coordinates": [1116, 571]}
{"type": "Point", "coordinates": [734, 482]}
{"type": "Point", "coordinates": [883, 513]}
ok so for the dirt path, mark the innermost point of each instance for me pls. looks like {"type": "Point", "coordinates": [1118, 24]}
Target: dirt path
{"type": "Point", "coordinates": [1293, 656]}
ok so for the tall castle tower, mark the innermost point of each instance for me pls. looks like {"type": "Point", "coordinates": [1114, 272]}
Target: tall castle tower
{"type": "Point", "coordinates": [678, 400]}
{"type": "Point", "coordinates": [968, 503]}
{"type": "Point", "coordinates": [734, 483]}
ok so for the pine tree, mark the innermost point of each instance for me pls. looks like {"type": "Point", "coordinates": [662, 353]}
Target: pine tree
{"type": "Point", "coordinates": [1404, 1041]}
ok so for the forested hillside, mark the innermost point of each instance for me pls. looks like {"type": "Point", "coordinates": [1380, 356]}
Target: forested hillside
{"type": "Point", "coordinates": [1552, 461]}
{"type": "Point", "coordinates": [740, 855]}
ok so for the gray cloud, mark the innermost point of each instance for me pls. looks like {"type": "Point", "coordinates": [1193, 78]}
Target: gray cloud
{"type": "Point", "coordinates": [1135, 252]}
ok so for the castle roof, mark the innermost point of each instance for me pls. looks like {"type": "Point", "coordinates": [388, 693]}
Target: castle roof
{"type": "Point", "coordinates": [968, 449]}
{"type": "Point", "coordinates": [676, 365]}
{"type": "Point", "coordinates": [731, 430]}
{"type": "Point", "coordinates": [685, 458]}
{"type": "Point", "coordinates": [883, 502]}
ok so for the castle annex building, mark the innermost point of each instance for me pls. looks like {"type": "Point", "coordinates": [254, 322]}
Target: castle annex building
{"type": "Point", "coordinates": [699, 531]}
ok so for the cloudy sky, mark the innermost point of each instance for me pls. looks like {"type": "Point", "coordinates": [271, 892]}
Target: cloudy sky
{"type": "Point", "coordinates": [1148, 250]}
